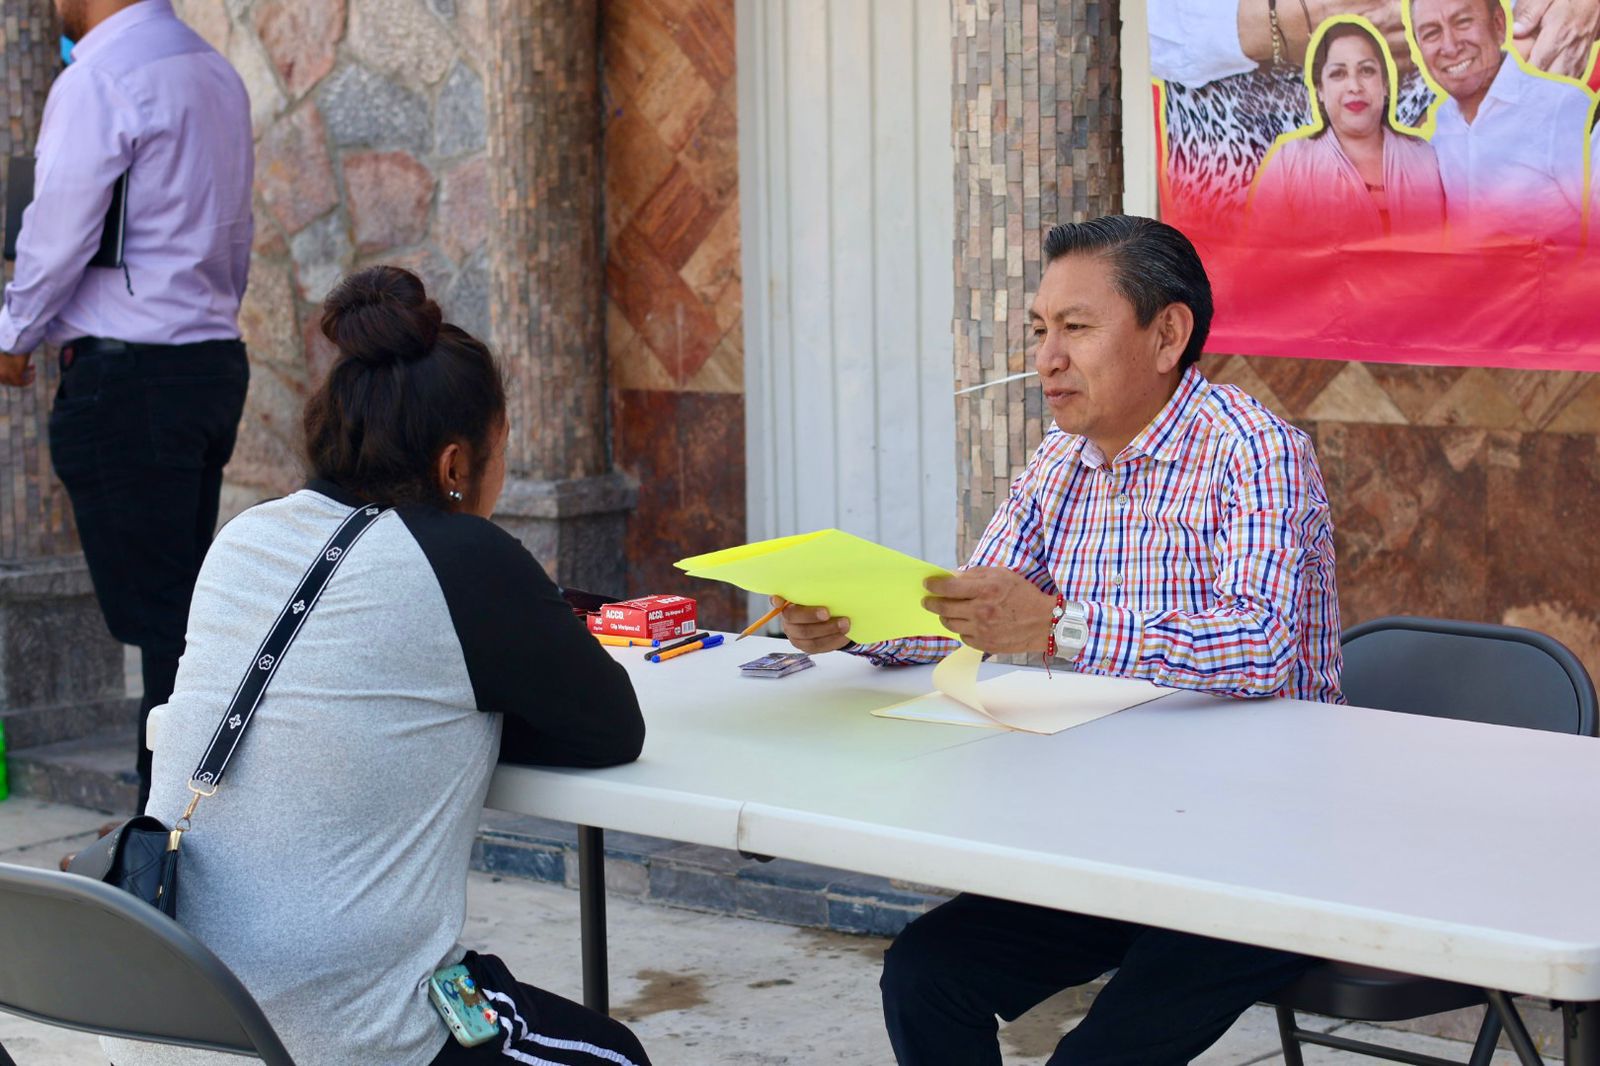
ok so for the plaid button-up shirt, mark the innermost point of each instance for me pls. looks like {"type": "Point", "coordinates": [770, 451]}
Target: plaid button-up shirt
{"type": "Point", "coordinates": [1203, 552]}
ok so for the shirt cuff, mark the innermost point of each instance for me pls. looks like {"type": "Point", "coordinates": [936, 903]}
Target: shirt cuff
{"type": "Point", "coordinates": [879, 654]}
{"type": "Point", "coordinates": [11, 335]}
{"type": "Point", "coordinates": [1115, 636]}
{"type": "Point", "coordinates": [904, 651]}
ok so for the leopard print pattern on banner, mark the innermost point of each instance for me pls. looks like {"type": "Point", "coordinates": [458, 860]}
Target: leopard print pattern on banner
{"type": "Point", "coordinates": [1217, 135]}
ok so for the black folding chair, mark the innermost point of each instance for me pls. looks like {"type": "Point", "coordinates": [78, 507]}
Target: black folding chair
{"type": "Point", "coordinates": [1470, 671]}
{"type": "Point", "coordinates": [83, 955]}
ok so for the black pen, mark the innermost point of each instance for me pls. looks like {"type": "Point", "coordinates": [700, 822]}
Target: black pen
{"type": "Point", "coordinates": [680, 642]}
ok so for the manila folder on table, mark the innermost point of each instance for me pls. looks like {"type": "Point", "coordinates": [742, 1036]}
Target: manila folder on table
{"type": "Point", "coordinates": [1028, 700]}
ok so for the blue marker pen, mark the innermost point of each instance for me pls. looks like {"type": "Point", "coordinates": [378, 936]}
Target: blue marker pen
{"type": "Point", "coordinates": [710, 642]}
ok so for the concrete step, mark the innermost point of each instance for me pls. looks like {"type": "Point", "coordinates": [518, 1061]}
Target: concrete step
{"type": "Point", "coordinates": [95, 771]}
{"type": "Point", "coordinates": [32, 727]}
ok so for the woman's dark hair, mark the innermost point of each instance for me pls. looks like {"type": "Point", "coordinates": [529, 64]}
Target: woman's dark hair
{"type": "Point", "coordinates": [1319, 60]}
{"type": "Point", "coordinates": [404, 385]}
{"type": "Point", "coordinates": [1152, 266]}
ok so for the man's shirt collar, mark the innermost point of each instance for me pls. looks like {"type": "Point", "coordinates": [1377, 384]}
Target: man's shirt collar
{"type": "Point", "coordinates": [1509, 82]}
{"type": "Point", "coordinates": [1161, 439]}
{"type": "Point", "coordinates": [97, 38]}
{"type": "Point", "coordinates": [1506, 88]}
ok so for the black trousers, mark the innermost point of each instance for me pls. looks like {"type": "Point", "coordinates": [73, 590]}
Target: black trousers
{"type": "Point", "coordinates": [951, 971]}
{"type": "Point", "coordinates": [542, 1027]}
{"type": "Point", "coordinates": [139, 434]}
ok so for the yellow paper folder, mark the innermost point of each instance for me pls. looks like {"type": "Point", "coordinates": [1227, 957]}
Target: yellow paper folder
{"type": "Point", "coordinates": [877, 588]}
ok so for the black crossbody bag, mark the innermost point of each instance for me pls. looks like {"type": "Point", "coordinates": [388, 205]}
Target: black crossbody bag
{"type": "Point", "coordinates": [141, 855]}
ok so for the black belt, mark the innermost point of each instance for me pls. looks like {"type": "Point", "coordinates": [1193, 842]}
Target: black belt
{"type": "Point", "coordinates": [91, 346]}
{"type": "Point", "coordinates": [109, 346]}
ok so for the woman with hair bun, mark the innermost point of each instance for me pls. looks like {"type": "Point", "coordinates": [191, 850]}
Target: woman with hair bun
{"type": "Point", "coordinates": [329, 870]}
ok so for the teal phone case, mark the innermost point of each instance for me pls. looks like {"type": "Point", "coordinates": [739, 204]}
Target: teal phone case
{"type": "Point", "coordinates": [465, 1009]}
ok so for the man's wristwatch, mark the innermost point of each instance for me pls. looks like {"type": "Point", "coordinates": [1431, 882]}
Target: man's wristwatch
{"type": "Point", "coordinates": [1070, 624]}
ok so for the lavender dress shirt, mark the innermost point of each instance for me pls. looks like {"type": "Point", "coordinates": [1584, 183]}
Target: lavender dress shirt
{"type": "Point", "coordinates": [144, 94]}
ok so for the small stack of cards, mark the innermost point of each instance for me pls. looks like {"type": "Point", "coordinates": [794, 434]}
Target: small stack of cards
{"type": "Point", "coordinates": [778, 664]}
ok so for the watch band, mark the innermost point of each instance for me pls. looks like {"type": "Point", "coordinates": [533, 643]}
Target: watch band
{"type": "Point", "coordinates": [1071, 629]}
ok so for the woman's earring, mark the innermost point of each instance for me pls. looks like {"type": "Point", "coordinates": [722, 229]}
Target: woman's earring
{"type": "Point", "coordinates": [455, 494]}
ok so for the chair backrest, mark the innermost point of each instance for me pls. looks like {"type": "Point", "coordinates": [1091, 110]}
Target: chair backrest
{"type": "Point", "coordinates": [1473, 671]}
{"type": "Point", "coordinates": [78, 953]}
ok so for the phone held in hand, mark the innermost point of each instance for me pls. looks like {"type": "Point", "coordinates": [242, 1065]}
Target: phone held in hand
{"type": "Point", "coordinates": [465, 1009]}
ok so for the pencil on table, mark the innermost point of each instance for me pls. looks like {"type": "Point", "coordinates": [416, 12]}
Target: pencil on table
{"type": "Point", "coordinates": [763, 620]}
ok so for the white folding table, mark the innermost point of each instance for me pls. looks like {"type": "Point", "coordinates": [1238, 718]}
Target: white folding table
{"type": "Point", "coordinates": [1442, 848]}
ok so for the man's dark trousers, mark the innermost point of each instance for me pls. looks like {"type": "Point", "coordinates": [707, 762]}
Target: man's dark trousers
{"type": "Point", "coordinates": [951, 971]}
{"type": "Point", "coordinates": [139, 435]}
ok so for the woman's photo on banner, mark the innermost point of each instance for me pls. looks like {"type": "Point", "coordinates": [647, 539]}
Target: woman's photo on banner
{"type": "Point", "coordinates": [1354, 174]}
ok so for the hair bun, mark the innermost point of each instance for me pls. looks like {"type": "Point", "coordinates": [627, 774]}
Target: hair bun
{"type": "Point", "coordinates": [381, 316]}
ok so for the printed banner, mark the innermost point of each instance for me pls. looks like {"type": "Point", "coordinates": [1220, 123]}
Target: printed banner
{"type": "Point", "coordinates": [1393, 182]}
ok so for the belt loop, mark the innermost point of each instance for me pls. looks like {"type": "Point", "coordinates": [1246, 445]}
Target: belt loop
{"type": "Point", "coordinates": [67, 355]}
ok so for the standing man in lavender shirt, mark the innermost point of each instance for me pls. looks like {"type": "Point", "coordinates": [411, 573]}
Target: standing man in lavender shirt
{"type": "Point", "coordinates": [153, 375]}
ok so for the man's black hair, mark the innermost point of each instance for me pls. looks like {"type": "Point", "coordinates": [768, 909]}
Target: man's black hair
{"type": "Point", "coordinates": [1152, 266]}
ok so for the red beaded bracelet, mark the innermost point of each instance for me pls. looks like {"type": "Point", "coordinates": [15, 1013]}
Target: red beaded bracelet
{"type": "Point", "coordinates": [1050, 641]}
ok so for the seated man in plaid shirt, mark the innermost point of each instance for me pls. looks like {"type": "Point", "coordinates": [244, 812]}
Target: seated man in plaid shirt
{"type": "Point", "coordinates": [1166, 529]}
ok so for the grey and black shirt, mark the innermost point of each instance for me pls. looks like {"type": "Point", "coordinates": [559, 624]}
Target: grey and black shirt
{"type": "Point", "coordinates": [329, 871]}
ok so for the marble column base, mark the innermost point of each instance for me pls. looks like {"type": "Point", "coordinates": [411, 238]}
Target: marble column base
{"type": "Point", "coordinates": [61, 672]}
{"type": "Point", "coordinates": [574, 528]}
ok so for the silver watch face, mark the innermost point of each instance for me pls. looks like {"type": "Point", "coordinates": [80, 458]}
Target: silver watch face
{"type": "Point", "coordinates": [1072, 631]}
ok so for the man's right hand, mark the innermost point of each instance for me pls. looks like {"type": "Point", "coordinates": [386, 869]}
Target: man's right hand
{"type": "Point", "coordinates": [16, 370]}
{"type": "Point", "coordinates": [813, 629]}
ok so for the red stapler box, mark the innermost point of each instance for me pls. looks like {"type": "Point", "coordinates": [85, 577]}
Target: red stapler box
{"type": "Point", "coordinates": [648, 617]}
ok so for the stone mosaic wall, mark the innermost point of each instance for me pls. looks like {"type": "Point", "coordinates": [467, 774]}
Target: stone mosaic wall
{"type": "Point", "coordinates": [1038, 139]}
{"type": "Point", "coordinates": [545, 245]}
{"type": "Point", "coordinates": [35, 517]}
{"type": "Point", "coordinates": [371, 122]}
{"type": "Point", "coordinates": [370, 134]}
{"type": "Point", "coordinates": [674, 332]}
{"type": "Point", "coordinates": [1457, 493]}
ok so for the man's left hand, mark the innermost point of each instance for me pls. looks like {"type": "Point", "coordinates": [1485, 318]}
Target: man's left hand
{"type": "Point", "coordinates": [16, 370]}
{"type": "Point", "coordinates": [992, 609]}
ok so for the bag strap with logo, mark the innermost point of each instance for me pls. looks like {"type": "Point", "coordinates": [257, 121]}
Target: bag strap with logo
{"type": "Point", "coordinates": [141, 855]}
{"type": "Point", "coordinates": [247, 697]}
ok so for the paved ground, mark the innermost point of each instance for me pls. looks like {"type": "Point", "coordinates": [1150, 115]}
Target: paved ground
{"type": "Point", "coordinates": [700, 990]}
